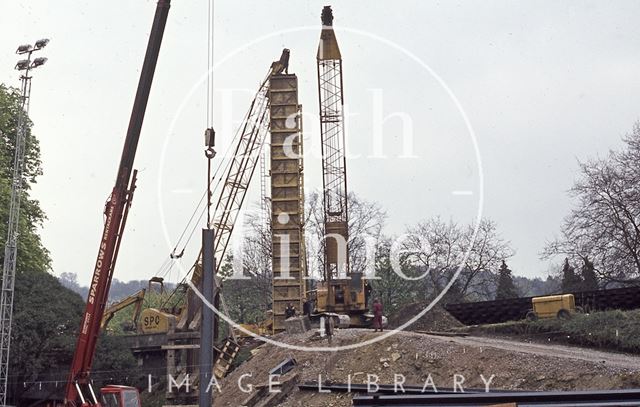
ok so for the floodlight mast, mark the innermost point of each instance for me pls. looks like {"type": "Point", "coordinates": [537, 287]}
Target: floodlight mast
{"type": "Point", "coordinates": [11, 245]}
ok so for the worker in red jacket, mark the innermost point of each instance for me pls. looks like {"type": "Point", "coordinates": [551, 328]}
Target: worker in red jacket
{"type": "Point", "coordinates": [377, 315]}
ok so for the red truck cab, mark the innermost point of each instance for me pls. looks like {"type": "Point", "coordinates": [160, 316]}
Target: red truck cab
{"type": "Point", "coordinates": [119, 396]}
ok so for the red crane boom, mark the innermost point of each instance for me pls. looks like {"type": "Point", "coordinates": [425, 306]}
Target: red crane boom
{"type": "Point", "coordinates": [78, 389]}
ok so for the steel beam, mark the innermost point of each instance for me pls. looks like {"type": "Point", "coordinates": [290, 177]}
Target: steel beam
{"type": "Point", "coordinates": [627, 397]}
{"type": "Point", "coordinates": [206, 334]}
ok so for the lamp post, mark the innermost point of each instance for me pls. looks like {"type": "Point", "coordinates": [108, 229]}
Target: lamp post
{"type": "Point", "coordinates": [11, 246]}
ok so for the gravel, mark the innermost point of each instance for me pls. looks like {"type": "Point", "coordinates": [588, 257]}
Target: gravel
{"type": "Point", "coordinates": [418, 357]}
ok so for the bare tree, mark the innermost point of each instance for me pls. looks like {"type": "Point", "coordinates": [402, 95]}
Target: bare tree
{"type": "Point", "coordinates": [257, 255]}
{"type": "Point", "coordinates": [366, 220]}
{"type": "Point", "coordinates": [248, 298]}
{"type": "Point", "coordinates": [432, 247]}
{"type": "Point", "coordinates": [604, 225]}
{"type": "Point", "coordinates": [438, 249]}
{"type": "Point", "coordinates": [487, 250]}
{"type": "Point", "coordinates": [244, 296]}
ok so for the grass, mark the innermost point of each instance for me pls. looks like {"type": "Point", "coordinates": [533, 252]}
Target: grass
{"type": "Point", "coordinates": [612, 330]}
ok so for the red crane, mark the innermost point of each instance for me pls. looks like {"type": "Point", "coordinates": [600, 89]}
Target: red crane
{"type": "Point", "coordinates": [78, 389]}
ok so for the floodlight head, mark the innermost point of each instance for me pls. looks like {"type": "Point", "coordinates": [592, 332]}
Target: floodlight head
{"type": "Point", "coordinates": [41, 43]}
{"type": "Point", "coordinates": [23, 49]}
{"type": "Point", "coordinates": [22, 64]}
{"type": "Point", "coordinates": [38, 62]}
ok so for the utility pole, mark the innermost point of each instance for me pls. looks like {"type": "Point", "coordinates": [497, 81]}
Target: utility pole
{"type": "Point", "coordinates": [11, 245]}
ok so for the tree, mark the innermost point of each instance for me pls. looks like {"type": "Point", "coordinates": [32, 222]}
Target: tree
{"type": "Point", "coordinates": [439, 249]}
{"type": "Point", "coordinates": [537, 287]}
{"type": "Point", "coordinates": [70, 281]}
{"type": "Point", "coordinates": [46, 320]}
{"type": "Point", "coordinates": [248, 299]}
{"type": "Point", "coordinates": [256, 258]}
{"type": "Point", "coordinates": [506, 287]}
{"type": "Point", "coordinates": [31, 253]}
{"type": "Point", "coordinates": [46, 315]}
{"type": "Point", "coordinates": [393, 290]}
{"type": "Point", "coordinates": [604, 225]}
{"type": "Point", "coordinates": [366, 220]}
{"type": "Point", "coordinates": [589, 278]}
{"type": "Point", "coordinates": [570, 280]}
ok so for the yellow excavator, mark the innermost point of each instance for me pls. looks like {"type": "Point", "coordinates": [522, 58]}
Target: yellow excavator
{"type": "Point", "coordinates": [137, 299]}
{"type": "Point", "coordinates": [140, 319]}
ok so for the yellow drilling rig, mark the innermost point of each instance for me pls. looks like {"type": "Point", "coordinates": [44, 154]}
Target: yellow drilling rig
{"type": "Point", "coordinates": [343, 292]}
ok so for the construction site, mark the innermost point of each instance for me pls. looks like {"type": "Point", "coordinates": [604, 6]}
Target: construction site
{"type": "Point", "coordinates": [304, 314]}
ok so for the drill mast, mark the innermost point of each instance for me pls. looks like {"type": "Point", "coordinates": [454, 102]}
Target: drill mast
{"type": "Point", "coordinates": [334, 173]}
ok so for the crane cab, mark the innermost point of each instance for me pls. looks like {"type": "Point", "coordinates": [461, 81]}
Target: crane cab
{"type": "Point", "coordinates": [119, 396]}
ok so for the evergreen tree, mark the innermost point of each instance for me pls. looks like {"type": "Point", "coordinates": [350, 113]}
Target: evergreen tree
{"type": "Point", "coordinates": [589, 278]}
{"type": "Point", "coordinates": [506, 287]}
{"type": "Point", "coordinates": [570, 280]}
{"type": "Point", "coordinates": [393, 291]}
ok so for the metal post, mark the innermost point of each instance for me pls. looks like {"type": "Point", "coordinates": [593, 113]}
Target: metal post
{"type": "Point", "coordinates": [206, 335]}
{"type": "Point", "coordinates": [11, 246]}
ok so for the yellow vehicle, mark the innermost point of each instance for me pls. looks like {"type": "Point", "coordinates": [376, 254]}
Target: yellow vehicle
{"type": "Point", "coordinates": [262, 328]}
{"type": "Point", "coordinates": [155, 321]}
{"type": "Point", "coordinates": [344, 292]}
{"type": "Point", "coordinates": [136, 299]}
{"type": "Point", "coordinates": [553, 306]}
{"type": "Point", "coordinates": [349, 304]}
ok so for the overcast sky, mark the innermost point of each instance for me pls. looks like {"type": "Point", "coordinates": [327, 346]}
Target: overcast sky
{"type": "Point", "coordinates": [542, 84]}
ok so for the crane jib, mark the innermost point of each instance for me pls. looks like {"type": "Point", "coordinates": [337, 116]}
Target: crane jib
{"type": "Point", "coordinates": [104, 245]}
{"type": "Point", "coordinates": [99, 289]}
{"type": "Point", "coordinates": [78, 387]}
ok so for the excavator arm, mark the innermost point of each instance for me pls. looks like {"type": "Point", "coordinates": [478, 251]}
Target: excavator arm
{"type": "Point", "coordinates": [136, 298]}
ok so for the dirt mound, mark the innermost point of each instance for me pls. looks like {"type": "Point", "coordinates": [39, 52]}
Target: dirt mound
{"type": "Point", "coordinates": [416, 357]}
{"type": "Point", "coordinates": [436, 319]}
